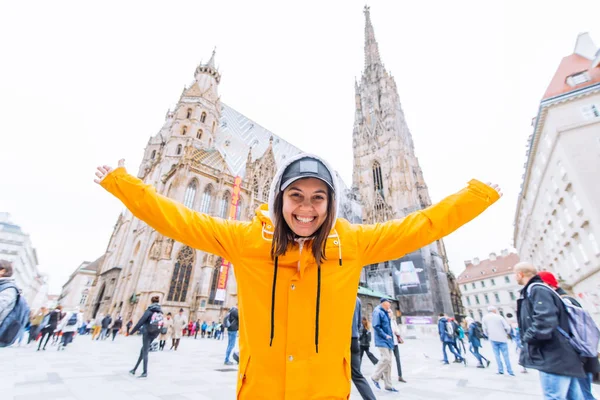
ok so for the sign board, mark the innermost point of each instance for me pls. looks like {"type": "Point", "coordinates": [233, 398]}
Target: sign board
{"type": "Point", "coordinates": [418, 320]}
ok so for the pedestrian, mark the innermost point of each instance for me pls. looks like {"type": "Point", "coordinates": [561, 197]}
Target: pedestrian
{"type": "Point", "coordinates": [232, 323]}
{"type": "Point", "coordinates": [384, 341]}
{"type": "Point", "coordinates": [591, 365]}
{"type": "Point", "coordinates": [497, 330]}
{"type": "Point", "coordinates": [54, 317]}
{"type": "Point", "coordinates": [106, 321]}
{"type": "Point", "coordinates": [285, 256]}
{"type": "Point", "coordinates": [129, 325]}
{"type": "Point", "coordinates": [222, 331]}
{"type": "Point", "coordinates": [460, 339]}
{"type": "Point", "coordinates": [397, 340]}
{"type": "Point", "coordinates": [365, 341]}
{"type": "Point", "coordinates": [14, 311]}
{"type": "Point", "coordinates": [357, 377]}
{"type": "Point", "coordinates": [203, 328]}
{"type": "Point", "coordinates": [179, 324]}
{"type": "Point", "coordinates": [209, 328]}
{"type": "Point", "coordinates": [190, 328]}
{"type": "Point", "coordinates": [36, 322]}
{"type": "Point", "coordinates": [166, 331]}
{"type": "Point", "coordinates": [446, 333]}
{"type": "Point", "coordinates": [475, 336]}
{"type": "Point", "coordinates": [150, 325]}
{"type": "Point", "coordinates": [540, 313]}
{"type": "Point", "coordinates": [196, 329]}
{"type": "Point", "coordinates": [97, 326]}
{"type": "Point", "coordinates": [116, 327]}
{"type": "Point", "coordinates": [68, 326]}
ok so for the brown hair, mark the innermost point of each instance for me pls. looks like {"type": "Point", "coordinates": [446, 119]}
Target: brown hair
{"type": "Point", "coordinates": [7, 267]}
{"type": "Point", "coordinates": [284, 236]}
{"type": "Point", "coordinates": [155, 299]}
{"type": "Point", "coordinates": [365, 323]}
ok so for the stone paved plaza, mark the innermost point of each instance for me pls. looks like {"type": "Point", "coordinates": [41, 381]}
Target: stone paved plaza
{"type": "Point", "coordinates": [98, 371]}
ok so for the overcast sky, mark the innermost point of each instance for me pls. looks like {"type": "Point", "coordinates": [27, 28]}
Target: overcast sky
{"type": "Point", "coordinates": [82, 85]}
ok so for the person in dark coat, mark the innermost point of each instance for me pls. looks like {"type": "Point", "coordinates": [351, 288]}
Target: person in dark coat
{"type": "Point", "coordinates": [365, 341]}
{"type": "Point", "coordinates": [147, 337]}
{"type": "Point", "coordinates": [591, 365]}
{"type": "Point", "coordinates": [540, 312]}
{"type": "Point", "coordinates": [232, 322]}
{"type": "Point", "coordinates": [357, 377]}
{"type": "Point", "coordinates": [475, 342]}
{"type": "Point", "coordinates": [448, 341]}
{"type": "Point", "coordinates": [385, 343]}
{"type": "Point", "coordinates": [116, 327]}
{"type": "Point", "coordinates": [50, 323]}
{"type": "Point", "coordinates": [105, 327]}
{"type": "Point", "coordinates": [129, 325]}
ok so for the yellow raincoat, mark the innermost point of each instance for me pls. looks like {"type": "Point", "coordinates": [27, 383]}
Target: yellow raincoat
{"type": "Point", "coordinates": [294, 366]}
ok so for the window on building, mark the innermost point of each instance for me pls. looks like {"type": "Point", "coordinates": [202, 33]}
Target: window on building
{"type": "Point", "coordinates": [554, 185]}
{"type": "Point", "coordinates": [480, 314]}
{"type": "Point", "coordinates": [203, 117]}
{"type": "Point", "coordinates": [199, 134]}
{"type": "Point", "coordinates": [576, 203]}
{"type": "Point", "coordinates": [265, 193]}
{"type": "Point", "coordinates": [548, 197]}
{"type": "Point", "coordinates": [573, 259]}
{"type": "Point", "coordinates": [224, 206]}
{"type": "Point", "coordinates": [582, 252]}
{"type": "Point", "coordinates": [562, 170]}
{"type": "Point", "coordinates": [184, 130]}
{"type": "Point", "coordinates": [238, 212]}
{"type": "Point", "coordinates": [482, 283]}
{"type": "Point", "coordinates": [206, 200]}
{"type": "Point", "coordinates": [473, 285]}
{"type": "Point", "coordinates": [590, 111]}
{"type": "Point", "coordinates": [487, 299]}
{"type": "Point", "coordinates": [465, 287]}
{"type": "Point", "coordinates": [377, 179]}
{"type": "Point", "coordinates": [497, 297]}
{"type": "Point", "coordinates": [471, 314]}
{"type": "Point", "coordinates": [512, 296]}
{"type": "Point", "coordinates": [255, 188]}
{"type": "Point", "coordinates": [567, 215]}
{"type": "Point", "coordinates": [213, 126]}
{"type": "Point", "coordinates": [84, 296]}
{"type": "Point", "coordinates": [153, 154]}
{"type": "Point", "coordinates": [507, 279]}
{"type": "Point", "coordinates": [468, 300]}
{"type": "Point", "coordinates": [492, 280]}
{"type": "Point", "coordinates": [561, 228]}
{"type": "Point", "coordinates": [213, 285]}
{"type": "Point", "coordinates": [501, 312]}
{"type": "Point", "coordinates": [477, 299]}
{"type": "Point", "coordinates": [179, 147]}
{"type": "Point", "coordinates": [190, 194]}
{"type": "Point", "coordinates": [594, 243]}
{"type": "Point", "coordinates": [182, 272]}
{"type": "Point", "coordinates": [189, 113]}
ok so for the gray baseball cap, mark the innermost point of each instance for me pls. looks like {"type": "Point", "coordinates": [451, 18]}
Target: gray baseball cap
{"type": "Point", "coordinates": [306, 167]}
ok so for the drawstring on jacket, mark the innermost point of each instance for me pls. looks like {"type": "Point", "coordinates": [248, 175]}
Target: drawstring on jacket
{"type": "Point", "coordinates": [273, 301]}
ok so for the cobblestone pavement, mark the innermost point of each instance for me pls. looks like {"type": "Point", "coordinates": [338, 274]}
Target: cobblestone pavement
{"type": "Point", "coordinates": [89, 370]}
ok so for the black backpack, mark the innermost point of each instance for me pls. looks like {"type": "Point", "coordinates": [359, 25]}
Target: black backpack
{"type": "Point", "coordinates": [477, 330]}
{"type": "Point", "coordinates": [16, 319]}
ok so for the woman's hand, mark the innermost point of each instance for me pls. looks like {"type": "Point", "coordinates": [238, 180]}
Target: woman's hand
{"type": "Point", "coordinates": [105, 170]}
{"type": "Point", "coordinates": [495, 187]}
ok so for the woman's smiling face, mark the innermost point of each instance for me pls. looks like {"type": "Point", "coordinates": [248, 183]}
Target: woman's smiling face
{"type": "Point", "coordinates": [305, 206]}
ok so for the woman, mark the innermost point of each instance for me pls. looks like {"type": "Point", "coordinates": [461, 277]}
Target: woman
{"type": "Point", "coordinates": [168, 331]}
{"type": "Point", "coordinates": [475, 342]}
{"type": "Point", "coordinates": [68, 326]}
{"type": "Point", "coordinates": [296, 287]}
{"type": "Point", "coordinates": [397, 340]}
{"type": "Point", "coordinates": [50, 325]}
{"type": "Point", "coordinates": [36, 321]}
{"type": "Point", "coordinates": [365, 341]}
{"type": "Point", "coordinates": [146, 326]}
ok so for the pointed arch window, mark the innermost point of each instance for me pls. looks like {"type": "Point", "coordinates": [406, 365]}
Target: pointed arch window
{"type": "Point", "coordinates": [203, 117]}
{"type": "Point", "coordinates": [255, 187]}
{"type": "Point", "coordinates": [213, 285]}
{"type": "Point", "coordinates": [189, 113]}
{"type": "Point", "coordinates": [224, 206]}
{"type": "Point", "coordinates": [213, 126]}
{"type": "Point", "coordinates": [184, 130]}
{"type": "Point", "coordinates": [238, 212]}
{"type": "Point", "coordinates": [153, 154]}
{"type": "Point", "coordinates": [190, 194]}
{"type": "Point", "coordinates": [206, 200]}
{"type": "Point", "coordinates": [182, 272]}
{"type": "Point", "coordinates": [179, 147]}
{"type": "Point", "coordinates": [377, 179]}
{"type": "Point", "coordinates": [199, 134]}
{"type": "Point", "coordinates": [265, 193]}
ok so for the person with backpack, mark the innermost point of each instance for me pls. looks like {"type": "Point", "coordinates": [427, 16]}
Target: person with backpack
{"type": "Point", "coordinates": [150, 325]}
{"type": "Point", "coordinates": [203, 329]}
{"type": "Point", "coordinates": [49, 325]}
{"type": "Point", "coordinates": [475, 335]}
{"type": "Point", "coordinates": [68, 326]}
{"type": "Point", "coordinates": [446, 333]}
{"type": "Point", "coordinates": [116, 327]}
{"type": "Point", "coordinates": [14, 311]}
{"type": "Point", "coordinates": [542, 316]}
{"type": "Point", "coordinates": [232, 323]}
{"type": "Point", "coordinates": [591, 365]}
{"type": "Point", "coordinates": [365, 341]}
{"type": "Point", "coordinates": [297, 267]}
{"type": "Point", "coordinates": [105, 332]}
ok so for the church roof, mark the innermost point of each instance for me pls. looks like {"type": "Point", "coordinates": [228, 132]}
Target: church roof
{"type": "Point", "coordinates": [238, 134]}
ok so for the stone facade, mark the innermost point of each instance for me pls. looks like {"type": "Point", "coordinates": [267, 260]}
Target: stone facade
{"type": "Point", "coordinates": [75, 292]}
{"type": "Point", "coordinates": [557, 223]}
{"type": "Point", "coordinates": [390, 184]}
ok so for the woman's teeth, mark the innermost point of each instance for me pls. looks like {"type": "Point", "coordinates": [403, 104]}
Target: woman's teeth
{"type": "Point", "coordinates": [305, 220]}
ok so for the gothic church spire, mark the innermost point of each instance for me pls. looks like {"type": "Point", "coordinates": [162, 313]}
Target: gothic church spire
{"type": "Point", "coordinates": [371, 47]}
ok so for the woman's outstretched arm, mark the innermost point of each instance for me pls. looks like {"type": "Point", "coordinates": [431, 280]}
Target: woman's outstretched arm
{"type": "Point", "coordinates": [393, 239]}
{"type": "Point", "coordinates": [172, 219]}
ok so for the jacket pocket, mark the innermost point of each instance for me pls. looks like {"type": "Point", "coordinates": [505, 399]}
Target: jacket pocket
{"type": "Point", "coordinates": [244, 362]}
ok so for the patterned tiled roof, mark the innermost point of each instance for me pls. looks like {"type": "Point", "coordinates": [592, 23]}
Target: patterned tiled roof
{"type": "Point", "coordinates": [502, 265]}
{"type": "Point", "coordinates": [238, 134]}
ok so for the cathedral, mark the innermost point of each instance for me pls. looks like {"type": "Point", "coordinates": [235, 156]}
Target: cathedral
{"type": "Point", "coordinates": [215, 160]}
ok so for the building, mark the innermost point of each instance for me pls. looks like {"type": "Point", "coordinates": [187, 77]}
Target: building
{"type": "Point", "coordinates": [390, 184]}
{"type": "Point", "coordinates": [75, 292]}
{"type": "Point", "coordinates": [557, 222]}
{"type": "Point", "coordinates": [490, 282]}
{"type": "Point", "coordinates": [16, 247]}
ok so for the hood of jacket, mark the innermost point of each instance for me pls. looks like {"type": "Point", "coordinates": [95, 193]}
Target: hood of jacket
{"type": "Point", "coordinates": [155, 307]}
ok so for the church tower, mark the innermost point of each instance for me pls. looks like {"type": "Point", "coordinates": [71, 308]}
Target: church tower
{"type": "Point", "coordinates": [390, 183]}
